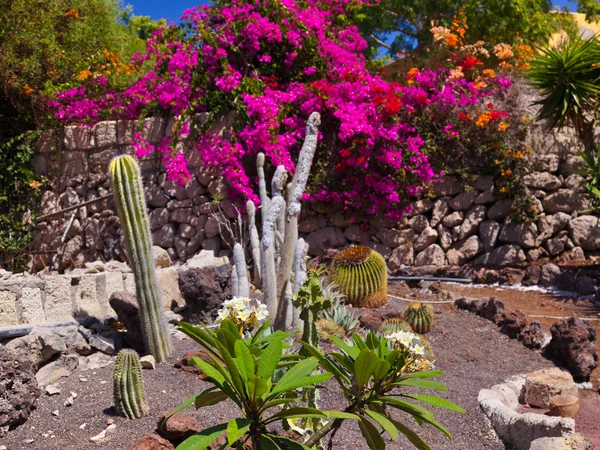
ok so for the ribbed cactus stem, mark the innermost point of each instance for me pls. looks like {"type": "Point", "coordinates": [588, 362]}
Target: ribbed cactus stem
{"type": "Point", "coordinates": [129, 196]}
{"type": "Point", "coordinates": [254, 242]}
{"type": "Point", "coordinates": [299, 279]}
{"type": "Point", "coordinates": [129, 396]}
{"type": "Point", "coordinates": [420, 317]}
{"type": "Point", "coordinates": [239, 261]}
{"type": "Point", "coordinates": [265, 202]}
{"type": "Point", "coordinates": [299, 181]}
{"type": "Point", "coordinates": [267, 244]}
{"type": "Point", "coordinates": [235, 285]}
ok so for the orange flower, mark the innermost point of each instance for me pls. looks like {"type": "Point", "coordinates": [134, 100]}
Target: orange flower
{"type": "Point", "coordinates": [533, 208]}
{"type": "Point", "coordinates": [483, 119]}
{"type": "Point", "coordinates": [28, 90]}
{"type": "Point", "coordinates": [410, 76]}
{"type": "Point", "coordinates": [33, 184]}
{"type": "Point", "coordinates": [503, 51]}
{"type": "Point", "coordinates": [489, 73]}
{"type": "Point", "coordinates": [452, 40]}
{"type": "Point", "coordinates": [596, 64]}
{"type": "Point", "coordinates": [503, 190]}
{"type": "Point", "coordinates": [502, 126]}
{"type": "Point", "coordinates": [72, 14]}
{"type": "Point", "coordinates": [506, 66]}
{"type": "Point", "coordinates": [506, 172]}
{"type": "Point", "coordinates": [84, 75]}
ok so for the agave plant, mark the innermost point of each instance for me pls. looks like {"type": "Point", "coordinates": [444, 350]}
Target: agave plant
{"type": "Point", "coordinates": [568, 78]}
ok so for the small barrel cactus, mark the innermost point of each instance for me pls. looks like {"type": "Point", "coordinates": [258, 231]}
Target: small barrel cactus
{"type": "Point", "coordinates": [394, 325]}
{"type": "Point", "coordinates": [130, 398]}
{"type": "Point", "coordinates": [420, 317]}
{"type": "Point", "coordinates": [360, 273]}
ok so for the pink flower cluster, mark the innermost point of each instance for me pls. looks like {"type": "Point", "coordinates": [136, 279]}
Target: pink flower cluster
{"type": "Point", "coordinates": [272, 67]}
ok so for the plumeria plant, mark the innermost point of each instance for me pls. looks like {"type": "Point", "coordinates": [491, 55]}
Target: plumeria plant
{"type": "Point", "coordinates": [243, 312]}
{"type": "Point", "coordinates": [371, 373]}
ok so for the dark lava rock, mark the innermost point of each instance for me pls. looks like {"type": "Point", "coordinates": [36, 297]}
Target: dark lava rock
{"type": "Point", "coordinates": [511, 276]}
{"type": "Point", "coordinates": [153, 442]}
{"type": "Point", "coordinates": [204, 290]}
{"type": "Point", "coordinates": [128, 311]}
{"type": "Point", "coordinates": [489, 308]}
{"type": "Point", "coordinates": [573, 344]}
{"type": "Point", "coordinates": [371, 320]}
{"type": "Point", "coordinates": [585, 285]}
{"type": "Point", "coordinates": [178, 427]}
{"type": "Point", "coordinates": [566, 281]}
{"type": "Point", "coordinates": [532, 335]}
{"type": "Point", "coordinates": [324, 259]}
{"type": "Point", "coordinates": [532, 276]}
{"type": "Point", "coordinates": [512, 323]}
{"type": "Point", "coordinates": [18, 390]}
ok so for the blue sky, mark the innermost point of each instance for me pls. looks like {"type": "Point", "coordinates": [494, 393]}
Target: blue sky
{"type": "Point", "coordinates": [172, 9]}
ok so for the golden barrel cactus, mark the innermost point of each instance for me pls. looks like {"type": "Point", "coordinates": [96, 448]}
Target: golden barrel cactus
{"type": "Point", "coordinates": [360, 273]}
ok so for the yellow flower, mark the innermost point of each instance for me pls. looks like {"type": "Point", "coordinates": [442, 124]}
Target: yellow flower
{"type": "Point", "coordinates": [502, 126]}
{"type": "Point", "coordinates": [33, 184]}
{"type": "Point", "coordinates": [503, 51]}
{"type": "Point", "coordinates": [489, 73]}
{"type": "Point", "coordinates": [439, 33]}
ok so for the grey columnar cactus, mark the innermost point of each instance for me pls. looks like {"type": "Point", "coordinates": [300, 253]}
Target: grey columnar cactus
{"type": "Point", "coordinates": [129, 196]}
{"type": "Point", "coordinates": [129, 395]}
{"type": "Point", "coordinates": [242, 288]}
{"type": "Point", "coordinates": [254, 242]}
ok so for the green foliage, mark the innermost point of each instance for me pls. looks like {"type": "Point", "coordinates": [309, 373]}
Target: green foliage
{"type": "Point", "coordinates": [243, 371]}
{"type": "Point", "coordinates": [568, 78]}
{"type": "Point", "coordinates": [408, 22]}
{"type": "Point", "coordinates": [130, 398]}
{"type": "Point", "coordinates": [592, 174]}
{"type": "Point", "coordinates": [20, 191]}
{"type": "Point", "coordinates": [129, 196]}
{"type": "Point", "coordinates": [360, 273]}
{"type": "Point", "coordinates": [370, 372]}
{"type": "Point", "coordinates": [340, 314]}
{"type": "Point", "coordinates": [420, 317]}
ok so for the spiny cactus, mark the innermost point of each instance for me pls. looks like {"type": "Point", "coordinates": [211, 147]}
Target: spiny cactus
{"type": "Point", "coordinates": [328, 327]}
{"type": "Point", "coordinates": [241, 287]}
{"type": "Point", "coordinates": [129, 196]}
{"type": "Point", "coordinates": [394, 325]}
{"type": "Point", "coordinates": [130, 398]}
{"type": "Point", "coordinates": [340, 313]}
{"type": "Point", "coordinates": [360, 273]}
{"type": "Point", "coordinates": [420, 317]}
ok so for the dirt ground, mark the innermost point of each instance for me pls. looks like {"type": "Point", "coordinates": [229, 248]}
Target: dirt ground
{"type": "Point", "coordinates": [470, 351]}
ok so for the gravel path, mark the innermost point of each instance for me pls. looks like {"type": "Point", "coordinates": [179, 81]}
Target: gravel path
{"type": "Point", "coordinates": [470, 350]}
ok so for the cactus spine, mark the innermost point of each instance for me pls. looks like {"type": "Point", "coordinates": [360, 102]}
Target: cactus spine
{"type": "Point", "coordinates": [420, 317]}
{"type": "Point", "coordinates": [360, 273]}
{"type": "Point", "coordinates": [130, 398]}
{"type": "Point", "coordinates": [129, 196]}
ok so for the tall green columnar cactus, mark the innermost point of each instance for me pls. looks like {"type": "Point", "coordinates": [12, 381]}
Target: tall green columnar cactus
{"type": "Point", "coordinates": [130, 398]}
{"type": "Point", "coordinates": [129, 195]}
{"type": "Point", "coordinates": [298, 185]}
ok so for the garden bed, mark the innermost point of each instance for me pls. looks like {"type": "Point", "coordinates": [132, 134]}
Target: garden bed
{"type": "Point", "coordinates": [470, 350]}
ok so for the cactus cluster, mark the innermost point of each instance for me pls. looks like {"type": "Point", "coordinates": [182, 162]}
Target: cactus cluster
{"type": "Point", "coordinates": [420, 317]}
{"type": "Point", "coordinates": [360, 273]}
{"type": "Point", "coordinates": [394, 325]}
{"type": "Point", "coordinates": [130, 398]}
{"type": "Point", "coordinates": [129, 195]}
{"type": "Point", "coordinates": [278, 256]}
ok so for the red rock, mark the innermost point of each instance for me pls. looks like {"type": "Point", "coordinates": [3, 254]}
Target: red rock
{"type": "Point", "coordinates": [512, 323]}
{"type": "Point", "coordinates": [178, 427]}
{"type": "Point", "coordinates": [183, 363]}
{"type": "Point", "coordinates": [152, 442]}
{"type": "Point", "coordinates": [371, 320]}
{"type": "Point", "coordinates": [573, 344]}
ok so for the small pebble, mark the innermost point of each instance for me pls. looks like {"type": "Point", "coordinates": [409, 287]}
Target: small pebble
{"type": "Point", "coordinates": [69, 402]}
{"type": "Point", "coordinates": [54, 413]}
{"type": "Point", "coordinates": [103, 382]}
{"type": "Point", "coordinates": [3, 447]}
{"type": "Point", "coordinates": [28, 441]}
{"type": "Point", "coordinates": [73, 394]}
{"type": "Point", "coordinates": [82, 426]}
{"type": "Point", "coordinates": [52, 389]}
{"type": "Point", "coordinates": [103, 434]}
{"type": "Point", "coordinates": [45, 435]}
{"type": "Point", "coordinates": [148, 362]}
{"type": "Point", "coordinates": [83, 380]}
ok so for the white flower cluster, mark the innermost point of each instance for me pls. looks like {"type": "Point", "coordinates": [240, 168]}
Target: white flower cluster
{"type": "Point", "coordinates": [407, 340]}
{"type": "Point", "coordinates": [241, 311]}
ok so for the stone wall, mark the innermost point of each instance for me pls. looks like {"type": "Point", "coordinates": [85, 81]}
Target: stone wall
{"type": "Point", "coordinates": [453, 227]}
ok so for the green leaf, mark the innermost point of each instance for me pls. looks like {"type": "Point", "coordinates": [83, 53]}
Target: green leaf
{"type": "Point", "coordinates": [269, 359]}
{"type": "Point", "coordinates": [364, 366]}
{"type": "Point", "coordinates": [207, 398]}
{"type": "Point", "coordinates": [231, 327]}
{"type": "Point", "coordinates": [256, 387]}
{"type": "Point", "coordinates": [260, 331]}
{"type": "Point", "coordinates": [425, 384]}
{"type": "Point", "coordinates": [350, 350]}
{"type": "Point", "coordinates": [287, 442]}
{"type": "Point", "coordinates": [227, 339]}
{"type": "Point", "coordinates": [266, 443]}
{"type": "Point", "coordinates": [383, 421]}
{"type": "Point", "coordinates": [413, 437]}
{"type": "Point", "coordinates": [299, 371]}
{"type": "Point", "coordinates": [277, 402]}
{"type": "Point", "coordinates": [382, 369]}
{"type": "Point", "coordinates": [244, 359]}
{"type": "Point", "coordinates": [436, 401]}
{"type": "Point", "coordinates": [232, 367]}
{"type": "Point", "coordinates": [341, 415]}
{"type": "Point", "coordinates": [203, 338]}
{"type": "Point", "coordinates": [371, 435]}
{"type": "Point", "coordinates": [208, 370]}
{"type": "Point", "coordinates": [236, 428]}
{"type": "Point", "coordinates": [186, 403]}
{"type": "Point", "coordinates": [372, 341]}
{"type": "Point", "coordinates": [411, 408]}
{"type": "Point", "coordinates": [297, 383]}
{"type": "Point", "coordinates": [203, 439]}
{"type": "Point", "coordinates": [360, 343]}
{"type": "Point", "coordinates": [326, 363]}
{"type": "Point", "coordinates": [427, 374]}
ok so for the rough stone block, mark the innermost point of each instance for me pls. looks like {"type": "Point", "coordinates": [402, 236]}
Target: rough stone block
{"type": "Point", "coordinates": [129, 283]}
{"type": "Point", "coordinates": [58, 305]}
{"type": "Point", "coordinates": [32, 306]}
{"type": "Point", "coordinates": [86, 297]}
{"type": "Point", "coordinates": [168, 281]}
{"type": "Point", "coordinates": [9, 310]}
{"type": "Point", "coordinates": [542, 385]}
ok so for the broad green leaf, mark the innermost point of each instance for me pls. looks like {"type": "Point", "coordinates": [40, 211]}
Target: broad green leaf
{"type": "Point", "coordinates": [411, 436]}
{"type": "Point", "coordinates": [287, 442]}
{"type": "Point", "coordinates": [269, 359]}
{"type": "Point", "coordinates": [266, 443]}
{"type": "Point", "coordinates": [341, 415]}
{"type": "Point", "coordinates": [210, 398]}
{"type": "Point", "coordinates": [227, 339]}
{"type": "Point", "coordinates": [371, 435]}
{"type": "Point", "coordinates": [300, 411]}
{"type": "Point", "coordinates": [277, 402]}
{"type": "Point", "coordinates": [256, 387]}
{"type": "Point", "coordinates": [300, 370]}
{"type": "Point", "coordinates": [203, 439]}
{"type": "Point", "coordinates": [232, 367]}
{"type": "Point", "coordinates": [231, 327]}
{"type": "Point", "coordinates": [236, 428]}
{"type": "Point", "coordinates": [372, 341]}
{"type": "Point", "coordinates": [344, 360]}
{"type": "Point", "coordinates": [436, 401]}
{"type": "Point", "coordinates": [427, 374]}
{"type": "Point", "coordinates": [381, 370]}
{"type": "Point", "coordinates": [360, 343]}
{"type": "Point", "coordinates": [383, 421]}
{"type": "Point", "coordinates": [326, 363]}
{"type": "Point", "coordinates": [203, 338]}
{"type": "Point", "coordinates": [430, 420]}
{"type": "Point", "coordinates": [244, 359]}
{"type": "Point", "coordinates": [186, 403]}
{"type": "Point", "coordinates": [364, 366]}
{"type": "Point", "coordinates": [425, 384]}
{"type": "Point", "coordinates": [208, 369]}
{"type": "Point", "coordinates": [411, 408]}
{"type": "Point", "coordinates": [301, 382]}
{"type": "Point", "coordinates": [350, 350]}
{"type": "Point", "coordinates": [260, 331]}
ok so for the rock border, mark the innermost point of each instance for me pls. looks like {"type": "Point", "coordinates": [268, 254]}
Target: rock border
{"type": "Point", "coordinates": [500, 402]}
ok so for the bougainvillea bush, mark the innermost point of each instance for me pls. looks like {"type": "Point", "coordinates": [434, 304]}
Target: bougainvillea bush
{"type": "Point", "coordinates": [267, 65]}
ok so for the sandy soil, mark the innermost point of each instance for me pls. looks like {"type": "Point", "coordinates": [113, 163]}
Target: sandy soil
{"type": "Point", "coordinates": [469, 349]}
